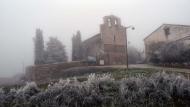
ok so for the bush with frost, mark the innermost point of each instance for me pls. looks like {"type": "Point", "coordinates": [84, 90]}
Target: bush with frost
{"type": "Point", "coordinates": [18, 97]}
{"type": "Point", "coordinates": [131, 92]}
{"type": "Point", "coordinates": [2, 97]}
{"type": "Point", "coordinates": [160, 90]}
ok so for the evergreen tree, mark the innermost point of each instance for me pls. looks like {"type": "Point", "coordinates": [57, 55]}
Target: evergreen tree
{"type": "Point", "coordinates": [55, 51]}
{"type": "Point", "coordinates": [77, 47]}
{"type": "Point", "coordinates": [39, 47]}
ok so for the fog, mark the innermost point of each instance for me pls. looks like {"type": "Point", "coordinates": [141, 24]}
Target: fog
{"type": "Point", "coordinates": [62, 18]}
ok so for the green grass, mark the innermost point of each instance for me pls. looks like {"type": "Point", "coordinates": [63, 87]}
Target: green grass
{"type": "Point", "coordinates": [122, 73]}
{"type": "Point", "coordinates": [119, 73]}
{"type": "Point", "coordinates": [135, 72]}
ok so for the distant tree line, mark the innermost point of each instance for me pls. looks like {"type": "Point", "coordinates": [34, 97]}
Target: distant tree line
{"type": "Point", "coordinates": [170, 53]}
{"type": "Point", "coordinates": [54, 52]}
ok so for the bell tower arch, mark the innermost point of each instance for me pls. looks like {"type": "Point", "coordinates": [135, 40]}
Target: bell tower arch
{"type": "Point", "coordinates": [113, 39]}
{"type": "Point", "coordinates": [112, 32]}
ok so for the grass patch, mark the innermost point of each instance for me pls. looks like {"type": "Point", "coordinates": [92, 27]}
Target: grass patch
{"type": "Point", "coordinates": [119, 73]}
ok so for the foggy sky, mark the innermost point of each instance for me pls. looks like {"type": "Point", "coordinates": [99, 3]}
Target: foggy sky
{"type": "Point", "coordinates": [62, 18]}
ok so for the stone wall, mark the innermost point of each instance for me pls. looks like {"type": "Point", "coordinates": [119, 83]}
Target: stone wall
{"type": "Point", "coordinates": [48, 72]}
{"type": "Point", "coordinates": [112, 31]}
{"type": "Point", "coordinates": [174, 33]}
{"type": "Point", "coordinates": [92, 46]}
{"type": "Point", "coordinates": [114, 40]}
{"type": "Point", "coordinates": [108, 45]}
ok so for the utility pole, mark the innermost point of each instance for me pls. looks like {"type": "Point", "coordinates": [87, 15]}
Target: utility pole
{"type": "Point", "coordinates": [126, 50]}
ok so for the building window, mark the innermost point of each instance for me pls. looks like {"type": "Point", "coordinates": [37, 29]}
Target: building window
{"type": "Point", "coordinates": [109, 22]}
{"type": "Point", "coordinates": [114, 38]}
{"type": "Point", "coordinates": [167, 31]}
{"type": "Point", "coordinates": [115, 22]}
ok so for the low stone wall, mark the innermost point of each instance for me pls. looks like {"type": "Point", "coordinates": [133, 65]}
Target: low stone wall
{"type": "Point", "coordinates": [47, 72]}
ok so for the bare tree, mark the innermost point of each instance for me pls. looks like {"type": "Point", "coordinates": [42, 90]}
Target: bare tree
{"type": "Point", "coordinates": [154, 52]}
{"type": "Point", "coordinates": [170, 53]}
{"type": "Point", "coordinates": [176, 53]}
{"type": "Point", "coordinates": [134, 55]}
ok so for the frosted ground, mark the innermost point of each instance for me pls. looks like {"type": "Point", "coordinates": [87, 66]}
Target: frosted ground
{"type": "Point", "coordinates": [157, 90]}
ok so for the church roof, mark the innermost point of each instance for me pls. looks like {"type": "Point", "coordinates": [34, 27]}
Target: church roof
{"type": "Point", "coordinates": [165, 25]}
{"type": "Point", "coordinates": [93, 39]}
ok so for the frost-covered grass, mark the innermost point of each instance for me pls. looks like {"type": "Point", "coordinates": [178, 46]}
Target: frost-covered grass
{"type": "Point", "coordinates": [158, 90]}
{"type": "Point", "coordinates": [117, 73]}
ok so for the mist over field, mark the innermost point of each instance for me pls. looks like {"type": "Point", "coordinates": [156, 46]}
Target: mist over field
{"type": "Point", "coordinates": [62, 18]}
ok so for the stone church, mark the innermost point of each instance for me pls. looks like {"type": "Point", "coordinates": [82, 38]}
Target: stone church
{"type": "Point", "coordinates": [106, 47]}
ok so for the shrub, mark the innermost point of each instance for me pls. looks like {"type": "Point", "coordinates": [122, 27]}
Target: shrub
{"type": "Point", "coordinates": [160, 90]}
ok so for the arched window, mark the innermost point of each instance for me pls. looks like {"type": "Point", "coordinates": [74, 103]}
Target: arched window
{"type": "Point", "coordinates": [115, 22]}
{"type": "Point", "coordinates": [109, 22]}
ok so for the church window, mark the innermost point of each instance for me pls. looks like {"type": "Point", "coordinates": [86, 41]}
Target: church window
{"type": "Point", "coordinates": [109, 22]}
{"type": "Point", "coordinates": [167, 31]}
{"type": "Point", "coordinates": [115, 22]}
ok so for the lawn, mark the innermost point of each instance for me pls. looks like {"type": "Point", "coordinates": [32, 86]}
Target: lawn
{"type": "Point", "coordinates": [117, 73]}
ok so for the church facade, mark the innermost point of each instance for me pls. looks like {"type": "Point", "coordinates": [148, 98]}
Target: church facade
{"type": "Point", "coordinates": [106, 47]}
